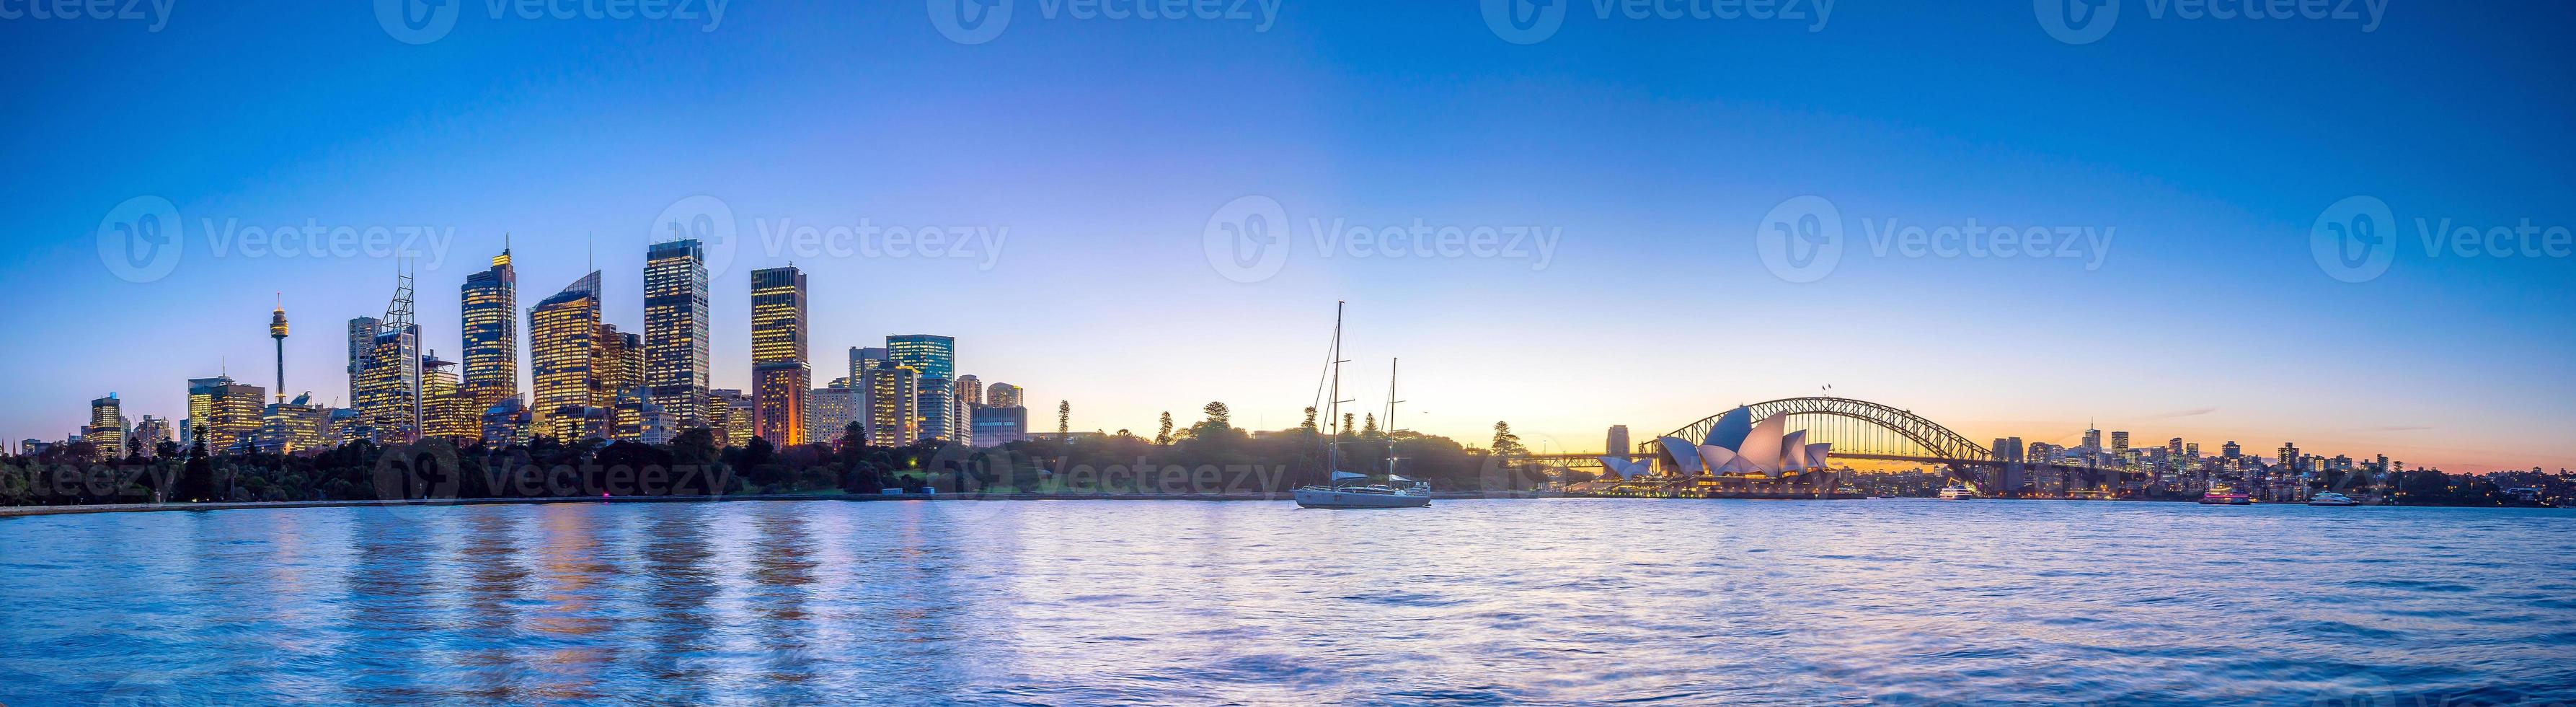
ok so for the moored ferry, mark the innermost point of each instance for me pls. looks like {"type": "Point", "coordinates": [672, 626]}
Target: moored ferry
{"type": "Point", "coordinates": [2225, 496]}
{"type": "Point", "coordinates": [1958, 492]}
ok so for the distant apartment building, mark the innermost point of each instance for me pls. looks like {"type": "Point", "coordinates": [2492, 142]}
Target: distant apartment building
{"type": "Point", "coordinates": [149, 435]}
{"type": "Point", "coordinates": [731, 416]}
{"type": "Point", "coordinates": [830, 410]}
{"type": "Point", "coordinates": [106, 430]}
{"type": "Point", "coordinates": [893, 403]}
{"type": "Point", "coordinates": [222, 413]}
{"type": "Point", "coordinates": [1002, 395]}
{"type": "Point", "coordinates": [998, 425]}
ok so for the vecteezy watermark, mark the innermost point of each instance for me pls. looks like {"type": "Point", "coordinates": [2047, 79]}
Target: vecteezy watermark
{"type": "Point", "coordinates": [425, 21]}
{"type": "Point", "coordinates": [1250, 238]}
{"type": "Point", "coordinates": [1802, 240]}
{"type": "Point", "coordinates": [712, 223]}
{"type": "Point", "coordinates": [867, 239]}
{"type": "Point", "coordinates": [143, 240]}
{"type": "Point", "coordinates": [980, 21]}
{"type": "Point", "coordinates": [154, 12]}
{"type": "Point", "coordinates": [1534, 21]}
{"type": "Point", "coordinates": [2358, 238]}
{"type": "Point", "coordinates": [2088, 21]}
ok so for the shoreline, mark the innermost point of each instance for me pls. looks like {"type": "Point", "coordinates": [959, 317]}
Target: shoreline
{"type": "Point", "coordinates": [7, 512]}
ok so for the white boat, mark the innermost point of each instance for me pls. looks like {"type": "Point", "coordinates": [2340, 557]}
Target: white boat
{"type": "Point", "coordinates": [1958, 492]}
{"type": "Point", "coordinates": [2330, 498]}
{"type": "Point", "coordinates": [1353, 490]}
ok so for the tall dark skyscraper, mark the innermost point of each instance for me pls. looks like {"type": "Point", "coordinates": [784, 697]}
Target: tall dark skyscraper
{"type": "Point", "coordinates": [490, 310]}
{"type": "Point", "coordinates": [781, 375]}
{"type": "Point", "coordinates": [675, 329]}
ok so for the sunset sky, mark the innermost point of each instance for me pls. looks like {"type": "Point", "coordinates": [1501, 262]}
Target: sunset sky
{"type": "Point", "coordinates": [1086, 159]}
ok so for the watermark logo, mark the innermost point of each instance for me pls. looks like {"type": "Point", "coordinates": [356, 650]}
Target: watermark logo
{"type": "Point", "coordinates": [2088, 21]}
{"type": "Point", "coordinates": [980, 21]}
{"type": "Point", "coordinates": [713, 224]}
{"type": "Point", "coordinates": [154, 12]}
{"type": "Point", "coordinates": [417, 21]}
{"type": "Point", "coordinates": [706, 219]}
{"type": "Point", "coordinates": [1801, 240]}
{"type": "Point", "coordinates": [1250, 239]}
{"type": "Point", "coordinates": [2077, 21]}
{"type": "Point", "coordinates": [2354, 240]}
{"type": "Point", "coordinates": [141, 240]}
{"type": "Point", "coordinates": [1534, 21]}
{"type": "Point", "coordinates": [1525, 21]}
{"type": "Point", "coordinates": [970, 21]}
{"type": "Point", "coordinates": [2359, 238]}
{"type": "Point", "coordinates": [426, 21]}
{"type": "Point", "coordinates": [1247, 239]}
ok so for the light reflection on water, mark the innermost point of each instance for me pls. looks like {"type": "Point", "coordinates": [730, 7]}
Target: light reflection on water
{"type": "Point", "coordinates": [1195, 602]}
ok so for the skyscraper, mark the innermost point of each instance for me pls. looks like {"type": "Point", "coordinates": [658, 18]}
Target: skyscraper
{"type": "Point", "coordinates": [362, 339]}
{"type": "Point", "coordinates": [1617, 443]}
{"type": "Point", "coordinates": [490, 309]}
{"type": "Point", "coordinates": [893, 403]}
{"type": "Point", "coordinates": [2092, 440]}
{"type": "Point", "coordinates": [2119, 443]}
{"type": "Point", "coordinates": [107, 427]}
{"type": "Point", "coordinates": [1002, 395]}
{"type": "Point", "coordinates": [938, 409]}
{"type": "Point", "coordinates": [933, 355]}
{"type": "Point", "coordinates": [863, 359]}
{"type": "Point", "coordinates": [675, 328]}
{"type": "Point", "coordinates": [970, 391]}
{"type": "Point", "coordinates": [446, 409]}
{"type": "Point", "coordinates": [934, 358]}
{"type": "Point", "coordinates": [387, 378]}
{"type": "Point", "coordinates": [781, 376]}
{"type": "Point", "coordinates": [563, 360]}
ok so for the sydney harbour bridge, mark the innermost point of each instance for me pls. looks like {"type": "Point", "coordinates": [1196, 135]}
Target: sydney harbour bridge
{"type": "Point", "coordinates": [1859, 429]}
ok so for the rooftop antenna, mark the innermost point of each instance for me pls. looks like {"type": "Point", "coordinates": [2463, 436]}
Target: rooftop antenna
{"type": "Point", "coordinates": [592, 258]}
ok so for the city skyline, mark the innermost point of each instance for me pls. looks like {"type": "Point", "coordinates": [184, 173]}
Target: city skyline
{"type": "Point", "coordinates": [2208, 317]}
{"type": "Point", "coordinates": [778, 295]}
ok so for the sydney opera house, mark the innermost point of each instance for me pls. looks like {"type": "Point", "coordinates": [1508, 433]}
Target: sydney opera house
{"type": "Point", "coordinates": [1739, 457]}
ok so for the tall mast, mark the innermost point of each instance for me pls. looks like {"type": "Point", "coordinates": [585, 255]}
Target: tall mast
{"type": "Point", "coordinates": [1333, 405]}
{"type": "Point", "coordinates": [1391, 367]}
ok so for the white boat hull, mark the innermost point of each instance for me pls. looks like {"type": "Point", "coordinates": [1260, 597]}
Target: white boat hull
{"type": "Point", "coordinates": [1330, 498]}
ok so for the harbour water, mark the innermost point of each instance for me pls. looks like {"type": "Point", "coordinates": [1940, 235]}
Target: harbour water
{"type": "Point", "coordinates": [1468, 602]}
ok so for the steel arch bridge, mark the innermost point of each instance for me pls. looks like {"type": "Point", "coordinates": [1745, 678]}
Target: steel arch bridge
{"type": "Point", "coordinates": [1857, 428]}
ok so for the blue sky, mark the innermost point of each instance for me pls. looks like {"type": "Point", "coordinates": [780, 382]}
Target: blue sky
{"type": "Point", "coordinates": [1650, 150]}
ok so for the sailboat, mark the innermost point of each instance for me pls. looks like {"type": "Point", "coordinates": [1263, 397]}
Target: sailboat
{"type": "Point", "coordinates": [1345, 489]}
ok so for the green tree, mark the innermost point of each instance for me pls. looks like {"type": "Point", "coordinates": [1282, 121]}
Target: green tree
{"type": "Point", "coordinates": [1163, 436]}
{"type": "Point", "coordinates": [1506, 443]}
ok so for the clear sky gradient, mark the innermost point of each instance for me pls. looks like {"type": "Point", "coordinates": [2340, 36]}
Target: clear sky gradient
{"type": "Point", "coordinates": [1654, 148]}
